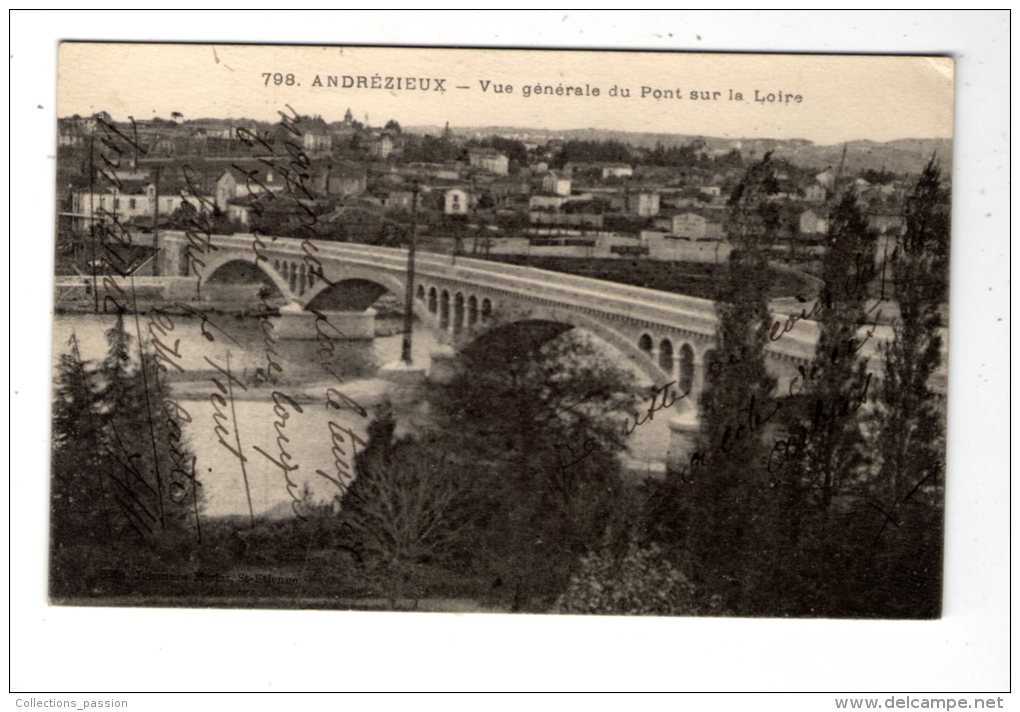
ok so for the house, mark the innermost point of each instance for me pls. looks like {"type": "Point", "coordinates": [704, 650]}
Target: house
{"type": "Point", "coordinates": [489, 160]}
{"type": "Point", "coordinates": [382, 146]}
{"type": "Point", "coordinates": [812, 223]}
{"type": "Point", "coordinates": [617, 170]}
{"type": "Point", "coordinates": [826, 179]}
{"type": "Point", "coordinates": [239, 209]}
{"type": "Point", "coordinates": [815, 193]}
{"type": "Point", "coordinates": [456, 201]}
{"type": "Point", "coordinates": [583, 219]}
{"type": "Point", "coordinates": [347, 181]}
{"type": "Point", "coordinates": [69, 137]}
{"type": "Point", "coordinates": [72, 131]}
{"type": "Point", "coordinates": [506, 192]}
{"type": "Point", "coordinates": [317, 141]}
{"type": "Point", "coordinates": [885, 222]}
{"type": "Point", "coordinates": [132, 200]}
{"type": "Point", "coordinates": [644, 204]}
{"type": "Point", "coordinates": [556, 183]}
{"type": "Point", "coordinates": [712, 191]}
{"type": "Point", "coordinates": [397, 199]}
{"type": "Point", "coordinates": [694, 226]}
{"type": "Point", "coordinates": [333, 179]}
{"type": "Point", "coordinates": [234, 183]}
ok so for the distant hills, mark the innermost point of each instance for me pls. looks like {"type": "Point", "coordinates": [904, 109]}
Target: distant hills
{"type": "Point", "coordinates": [900, 156]}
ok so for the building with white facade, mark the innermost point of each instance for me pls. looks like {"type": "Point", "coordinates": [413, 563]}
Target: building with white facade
{"type": "Point", "coordinates": [491, 161]}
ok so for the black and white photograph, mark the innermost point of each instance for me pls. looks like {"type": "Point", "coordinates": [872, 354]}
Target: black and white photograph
{"type": "Point", "coordinates": [400, 329]}
{"type": "Point", "coordinates": [536, 351]}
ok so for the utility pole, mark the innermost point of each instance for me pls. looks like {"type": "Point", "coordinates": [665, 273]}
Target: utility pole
{"type": "Point", "coordinates": [155, 228]}
{"type": "Point", "coordinates": [92, 216]}
{"type": "Point", "coordinates": [405, 349]}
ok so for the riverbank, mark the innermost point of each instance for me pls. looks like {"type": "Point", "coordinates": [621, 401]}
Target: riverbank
{"type": "Point", "coordinates": [156, 294]}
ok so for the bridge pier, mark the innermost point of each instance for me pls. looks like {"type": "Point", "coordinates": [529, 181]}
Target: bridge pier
{"type": "Point", "coordinates": [685, 423]}
{"type": "Point", "coordinates": [683, 439]}
{"type": "Point", "coordinates": [295, 323]}
{"type": "Point", "coordinates": [443, 364]}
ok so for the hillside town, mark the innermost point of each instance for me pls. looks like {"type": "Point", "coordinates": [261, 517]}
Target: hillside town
{"type": "Point", "coordinates": [501, 197]}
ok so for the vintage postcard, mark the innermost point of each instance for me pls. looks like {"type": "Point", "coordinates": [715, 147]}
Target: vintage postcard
{"type": "Point", "coordinates": [546, 331]}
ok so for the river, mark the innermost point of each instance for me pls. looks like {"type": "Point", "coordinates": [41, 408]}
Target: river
{"type": "Point", "coordinates": [306, 371]}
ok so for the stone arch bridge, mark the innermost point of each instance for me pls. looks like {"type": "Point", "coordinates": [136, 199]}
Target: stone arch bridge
{"type": "Point", "coordinates": [663, 336]}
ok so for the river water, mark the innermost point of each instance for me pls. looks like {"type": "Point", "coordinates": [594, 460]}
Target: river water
{"type": "Point", "coordinates": [300, 413]}
{"type": "Point", "coordinates": [298, 421]}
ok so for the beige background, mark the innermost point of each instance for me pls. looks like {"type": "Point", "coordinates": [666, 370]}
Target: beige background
{"type": "Point", "coordinates": [845, 97]}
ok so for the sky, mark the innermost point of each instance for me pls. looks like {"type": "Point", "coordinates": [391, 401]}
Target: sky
{"type": "Point", "coordinates": [842, 97]}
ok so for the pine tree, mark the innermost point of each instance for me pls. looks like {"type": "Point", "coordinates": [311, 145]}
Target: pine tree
{"type": "Point", "coordinates": [728, 495]}
{"type": "Point", "coordinates": [832, 447]}
{"type": "Point", "coordinates": [111, 424]}
{"type": "Point", "coordinates": [911, 437]}
{"type": "Point", "coordinates": [825, 449]}
{"type": "Point", "coordinates": [82, 505]}
{"type": "Point", "coordinates": [910, 440]}
{"type": "Point", "coordinates": [143, 429]}
{"type": "Point", "coordinates": [129, 420]}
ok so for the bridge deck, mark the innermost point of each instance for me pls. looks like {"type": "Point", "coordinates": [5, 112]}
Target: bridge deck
{"type": "Point", "coordinates": [615, 300]}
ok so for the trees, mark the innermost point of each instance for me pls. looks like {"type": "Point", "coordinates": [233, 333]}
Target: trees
{"type": "Point", "coordinates": [910, 443]}
{"type": "Point", "coordinates": [910, 438]}
{"type": "Point", "coordinates": [536, 416]}
{"type": "Point", "coordinates": [724, 499]}
{"type": "Point", "coordinates": [429, 149]}
{"type": "Point", "coordinates": [513, 149]}
{"type": "Point", "coordinates": [144, 429]}
{"type": "Point", "coordinates": [584, 151]}
{"type": "Point", "coordinates": [830, 444]}
{"type": "Point", "coordinates": [404, 508]}
{"type": "Point", "coordinates": [823, 454]}
{"type": "Point", "coordinates": [81, 503]}
{"type": "Point", "coordinates": [122, 474]}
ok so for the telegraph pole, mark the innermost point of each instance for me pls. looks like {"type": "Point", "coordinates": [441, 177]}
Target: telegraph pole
{"type": "Point", "coordinates": [155, 228]}
{"type": "Point", "coordinates": [92, 215]}
{"type": "Point", "coordinates": [405, 349]}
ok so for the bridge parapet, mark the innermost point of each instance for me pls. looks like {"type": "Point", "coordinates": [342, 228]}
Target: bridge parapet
{"type": "Point", "coordinates": [639, 309]}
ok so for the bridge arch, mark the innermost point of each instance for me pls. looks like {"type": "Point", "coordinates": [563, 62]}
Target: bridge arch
{"type": "Point", "coordinates": [444, 309]}
{"type": "Point", "coordinates": [217, 268]}
{"type": "Point", "coordinates": [646, 343]}
{"type": "Point", "coordinates": [666, 355]}
{"type": "Point", "coordinates": [458, 312]}
{"type": "Point", "coordinates": [356, 286]}
{"type": "Point", "coordinates": [685, 375]}
{"type": "Point", "coordinates": [568, 319]}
